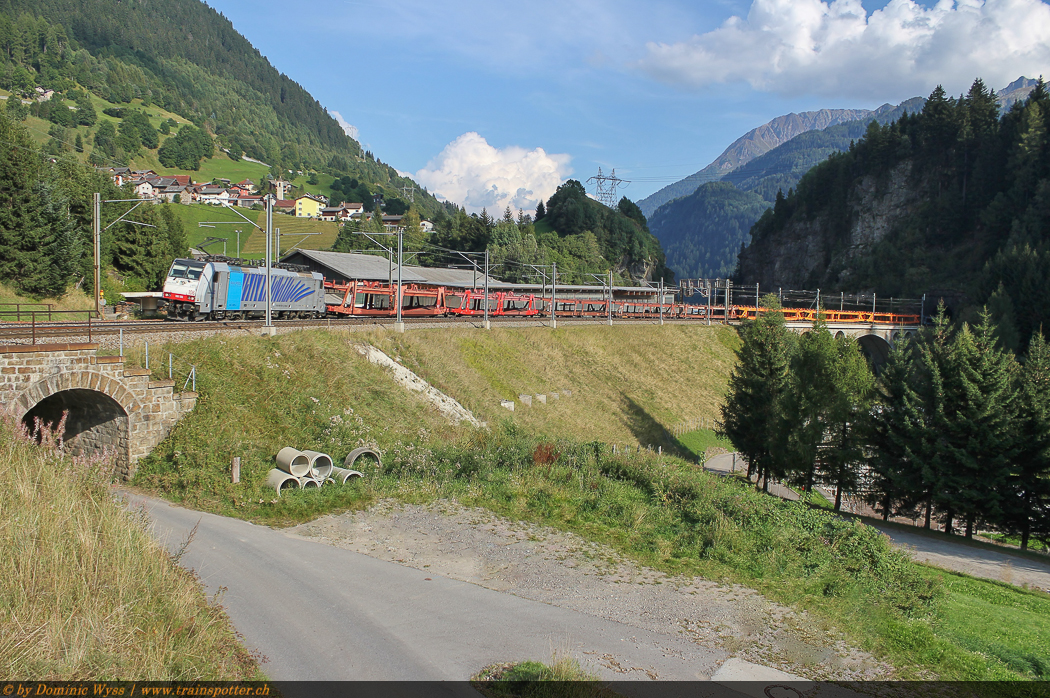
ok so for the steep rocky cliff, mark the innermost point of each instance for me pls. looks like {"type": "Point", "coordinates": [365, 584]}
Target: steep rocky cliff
{"type": "Point", "coordinates": [950, 202]}
{"type": "Point", "coordinates": [812, 252]}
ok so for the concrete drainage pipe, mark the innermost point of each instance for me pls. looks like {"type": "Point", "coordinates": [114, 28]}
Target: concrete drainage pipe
{"type": "Point", "coordinates": [358, 452]}
{"type": "Point", "coordinates": [341, 475]}
{"type": "Point", "coordinates": [280, 480]}
{"type": "Point", "coordinates": [320, 464]}
{"type": "Point", "coordinates": [293, 461]}
{"type": "Point", "coordinates": [309, 482]}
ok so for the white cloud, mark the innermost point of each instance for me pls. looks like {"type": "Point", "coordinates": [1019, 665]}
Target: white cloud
{"type": "Point", "coordinates": [348, 128]}
{"type": "Point", "coordinates": [476, 175]}
{"type": "Point", "coordinates": [836, 48]}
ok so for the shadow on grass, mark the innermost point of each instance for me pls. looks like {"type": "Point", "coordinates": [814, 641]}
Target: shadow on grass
{"type": "Point", "coordinates": [648, 431]}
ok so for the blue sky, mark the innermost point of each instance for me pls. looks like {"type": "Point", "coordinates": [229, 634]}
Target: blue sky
{"type": "Point", "coordinates": [493, 103]}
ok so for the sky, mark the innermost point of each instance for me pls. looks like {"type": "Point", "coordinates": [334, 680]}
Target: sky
{"type": "Point", "coordinates": [493, 104]}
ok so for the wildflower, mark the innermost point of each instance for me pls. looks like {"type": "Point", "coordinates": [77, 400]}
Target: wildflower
{"type": "Point", "coordinates": [316, 401]}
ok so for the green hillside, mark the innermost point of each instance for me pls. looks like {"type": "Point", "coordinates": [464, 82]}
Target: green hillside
{"type": "Point", "coordinates": [180, 60]}
{"type": "Point", "coordinates": [702, 233]}
{"type": "Point", "coordinates": [971, 218]}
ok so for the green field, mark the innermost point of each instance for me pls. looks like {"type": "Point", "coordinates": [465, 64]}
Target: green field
{"type": "Point", "coordinates": [323, 186]}
{"type": "Point", "coordinates": [192, 214]}
{"type": "Point", "coordinates": [699, 441]}
{"type": "Point", "coordinates": [221, 166]}
{"type": "Point", "coordinates": [295, 232]}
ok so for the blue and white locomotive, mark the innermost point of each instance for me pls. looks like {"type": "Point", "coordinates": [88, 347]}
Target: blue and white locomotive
{"type": "Point", "coordinates": [197, 290]}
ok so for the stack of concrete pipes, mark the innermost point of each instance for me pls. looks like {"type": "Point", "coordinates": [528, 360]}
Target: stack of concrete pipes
{"type": "Point", "coordinates": [306, 469]}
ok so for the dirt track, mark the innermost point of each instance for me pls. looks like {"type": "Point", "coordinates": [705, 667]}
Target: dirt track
{"type": "Point", "coordinates": [564, 570]}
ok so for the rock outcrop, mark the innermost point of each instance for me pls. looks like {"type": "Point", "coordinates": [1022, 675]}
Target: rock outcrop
{"type": "Point", "coordinates": [808, 253]}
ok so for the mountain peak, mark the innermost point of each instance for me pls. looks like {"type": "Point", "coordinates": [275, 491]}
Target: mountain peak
{"type": "Point", "coordinates": [752, 144]}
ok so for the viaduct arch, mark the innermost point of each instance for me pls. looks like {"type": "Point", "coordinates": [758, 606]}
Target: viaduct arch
{"type": "Point", "coordinates": [875, 339]}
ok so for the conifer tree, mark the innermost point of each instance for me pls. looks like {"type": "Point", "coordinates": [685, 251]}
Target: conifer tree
{"type": "Point", "coordinates": [1027, 509]}
{"type": "Point", "coordinates": [843, 446]}
{"type": "Point", "coordinates": [808, 404]}
{"type": "Point", "coordinates": [750, 416]}
{"type": "Point", "coordinates": [898, 436]}
{"type": "Point", "coordinates": [934, 348]}
{"type": "Point", "coordinates": [38, 250]}
{"type": "Point", "coordinates": [977, 442]}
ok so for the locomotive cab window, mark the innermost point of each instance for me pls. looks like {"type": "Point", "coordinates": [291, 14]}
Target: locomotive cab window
{"type": "Point", "coordinates": [186, 270]}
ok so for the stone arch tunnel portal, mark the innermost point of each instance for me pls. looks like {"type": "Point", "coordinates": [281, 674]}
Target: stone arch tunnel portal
{"type": "Point", "coordinates": [95, 422]}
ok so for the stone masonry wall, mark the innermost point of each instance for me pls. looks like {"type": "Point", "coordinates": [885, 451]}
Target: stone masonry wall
{"type": "Point", "coordinates": [30, 374]}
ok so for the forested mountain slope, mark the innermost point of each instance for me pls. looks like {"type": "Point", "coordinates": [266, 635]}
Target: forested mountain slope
{"type": "Point", "coordinates": [702, 233]}
{"type": "Point", "coordinates": [953, 201]}
{"type": "Point", "coordinates": [182, 57]}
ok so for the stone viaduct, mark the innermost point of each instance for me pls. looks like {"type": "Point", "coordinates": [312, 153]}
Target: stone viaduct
{"type": "Point", "coordinates": [110, 408]}
{"type": "Point", "coordinates": [875, 339]}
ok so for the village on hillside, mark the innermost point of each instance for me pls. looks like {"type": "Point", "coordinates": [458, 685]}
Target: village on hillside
{"type": "Point", "coordinates": [151, 186]}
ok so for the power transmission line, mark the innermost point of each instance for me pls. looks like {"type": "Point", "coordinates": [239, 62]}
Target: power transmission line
{"type": "Point", "coordinates": [605, 187]}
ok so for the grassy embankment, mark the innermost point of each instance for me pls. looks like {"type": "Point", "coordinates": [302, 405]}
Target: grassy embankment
{"type": "Point", "coordinates": [75, 299]}
{"type": "Point", "coordinates": [311, 390]}
{"type": "Point", "coordinates": [86, 593]}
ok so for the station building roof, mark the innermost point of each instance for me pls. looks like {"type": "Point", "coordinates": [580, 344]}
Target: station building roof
{"type": "Point", "coordinates": [344, 266]}
{"type": "Point", "coordinates": [348, 266]}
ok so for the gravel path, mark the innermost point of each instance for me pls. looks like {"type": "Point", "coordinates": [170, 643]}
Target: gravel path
{"type": "Point", "coordinates": [562, 569]}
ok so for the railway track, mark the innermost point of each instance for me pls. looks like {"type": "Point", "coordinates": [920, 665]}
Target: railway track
{"type": "Point", "coordinates": [42, 331]}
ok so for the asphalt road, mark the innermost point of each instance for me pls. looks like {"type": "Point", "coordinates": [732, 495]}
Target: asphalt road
{"type": "Point", "coordinates": [1000, 565]}
{"type": "Point", "coordinates": [322, 613]}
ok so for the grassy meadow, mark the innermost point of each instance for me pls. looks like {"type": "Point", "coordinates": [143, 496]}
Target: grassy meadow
{"type": "Point", "coordinates": [86, 592]}
{"type": "Point", "coordinates": [74, 300]}
{"type": "Point", "coordinates": [553, 465]}
{"type": "Point", "coordinates": [220, 166]}
{"type": "Point", "coordinates": [305, 233]}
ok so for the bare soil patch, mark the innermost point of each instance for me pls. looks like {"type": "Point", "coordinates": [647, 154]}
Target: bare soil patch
{"type": "Point", "coordinates": [563, 569]}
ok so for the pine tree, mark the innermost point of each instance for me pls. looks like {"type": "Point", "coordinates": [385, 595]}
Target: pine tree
{"type": "Point", "coordinates": [809, 403]}
{"type": "Point", "coordinates": [37, 240]}
{"type": "Point", "coordinates": [1027, 509]}
{"type": "Point", "coordinates": [977, 441]}
{"type": "Point", "coordinates": [898, 436]}
{"type": "Point", "coordinates": [934, 347]}
{"type": "Point", "coordinates": [843, 447]}
{"type": "Point", "coordinates": [750, 416]}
